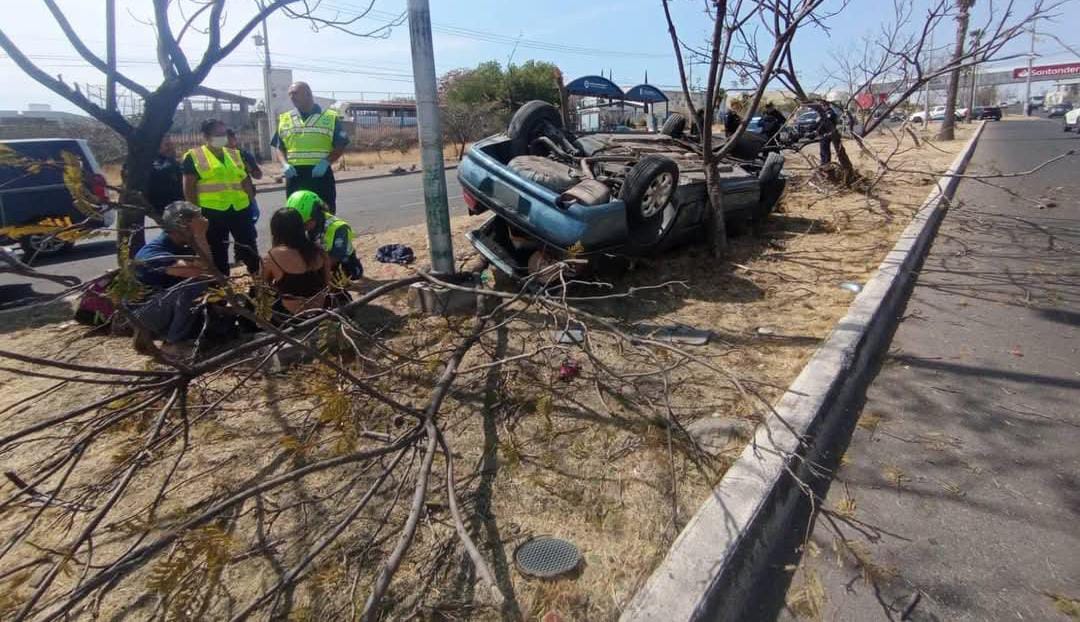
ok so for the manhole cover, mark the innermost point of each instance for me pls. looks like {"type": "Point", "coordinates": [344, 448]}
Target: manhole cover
{"type": "Point", "coordinates": [547, 557]}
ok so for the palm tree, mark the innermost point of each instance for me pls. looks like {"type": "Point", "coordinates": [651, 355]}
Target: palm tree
{"type": "Point", "coordinates": [948, 124]}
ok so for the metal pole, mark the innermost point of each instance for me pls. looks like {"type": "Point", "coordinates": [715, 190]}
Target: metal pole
{"type": "Point", "coordinates": [974, 85]}
{"type": "Point", "coordinates": [431, 145]}
{"type": "Point", "coordinates": [1027, 83]}
{"type": "Point", "coordinates": [930, 68]}
{"type": "Point", "coordinates": [110, 55]}
{"type": "Point", "coordinates": [268, 105]}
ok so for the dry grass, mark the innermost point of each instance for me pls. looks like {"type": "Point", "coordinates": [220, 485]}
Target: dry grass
{"type": "Point", "coordinates": [371, 159]}
{"type": "Point", "coordinates": [585, 459]}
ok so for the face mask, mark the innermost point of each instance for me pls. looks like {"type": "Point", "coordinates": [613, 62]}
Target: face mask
{"type": "Point", "coordinates": [219, 141]}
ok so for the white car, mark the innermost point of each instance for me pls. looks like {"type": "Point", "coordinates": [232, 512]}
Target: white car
{"type": "Point", "coordinates": [1072, 120]}
{"type": "Point", "coordinates": [937, 114]}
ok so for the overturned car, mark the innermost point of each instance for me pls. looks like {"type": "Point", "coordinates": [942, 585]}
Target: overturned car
{"type": "Point", "coordinates": [554, 194]}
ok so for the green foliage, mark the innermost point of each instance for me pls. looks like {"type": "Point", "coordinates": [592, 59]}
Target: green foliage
{"type": "Point", "coordinates": [532, 80]}
{"type": "Point", "coordinates": [486, 83]}
{"type": "Point", "coordinates": [489, 83]}
{"type": "Point", "coordinates": [125, 286]}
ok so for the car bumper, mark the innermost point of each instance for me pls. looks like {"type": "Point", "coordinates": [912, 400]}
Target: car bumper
{"type": "Point", "coordinates": [532, 208]}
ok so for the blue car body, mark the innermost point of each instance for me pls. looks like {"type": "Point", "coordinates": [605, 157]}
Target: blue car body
{"type": "Point", "coordinates": [526, 209]}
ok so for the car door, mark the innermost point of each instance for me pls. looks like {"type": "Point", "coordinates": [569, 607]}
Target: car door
{"type": "Point", "coordinates": [34, 190]}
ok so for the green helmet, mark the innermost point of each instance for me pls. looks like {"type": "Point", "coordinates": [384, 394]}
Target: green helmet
{"type": "Point", "coordinates": [304, 201]}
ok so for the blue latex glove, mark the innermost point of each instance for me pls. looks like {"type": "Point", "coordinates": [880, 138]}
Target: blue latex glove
{"type": "Point", "coordinates": [289, 171]}
{"type": "Point", "coordinates": [320, 169]}
{"type": "Point", "coordinates": [254, 207]}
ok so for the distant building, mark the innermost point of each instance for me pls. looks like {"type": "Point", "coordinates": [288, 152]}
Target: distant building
{"type": "Point", "coordinates": [1066, 91]}
{"type": "Point", "coordinates": [398, 113]}
{"type": "Point", "coordinates": [207, 103]}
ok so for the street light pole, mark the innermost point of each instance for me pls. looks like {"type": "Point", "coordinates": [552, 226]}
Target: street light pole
{"type": "Point", "coordinates": [930, 68]}
{"type": "Point", "coordinates": [1027, 83]}
{"type": "Point", "coordinates": [431, 145]}
{"type": "Point", "coordinates": [268, 106]}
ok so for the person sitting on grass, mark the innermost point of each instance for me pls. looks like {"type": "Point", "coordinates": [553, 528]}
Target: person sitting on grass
{"type": "Point", "coordinates": [294, 266]}
{"type": "Point", "coordinates": [331, 233]}
{"type": "Point", "coordinates": [169, 267]}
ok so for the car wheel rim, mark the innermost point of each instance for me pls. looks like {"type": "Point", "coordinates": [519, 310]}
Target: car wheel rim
{"type": "Point", "coordinates": [657, 195]}
{"type": "Point", "coordinates": [46, 243]}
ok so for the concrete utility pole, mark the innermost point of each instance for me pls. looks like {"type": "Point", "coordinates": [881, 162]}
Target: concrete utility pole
{"type": "Point", "coordinates": [1027, 83]}
{"type": "Point", "coordinates": [929, 67]}
{"type": "Point", "coordinates": [110, 55]}
{"type": "Point", "coordinates": [268, 106]}
{"type": "Point", "coordinates": [431, 145]}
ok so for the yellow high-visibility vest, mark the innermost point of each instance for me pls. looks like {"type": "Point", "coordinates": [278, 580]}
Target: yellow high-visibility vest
{"type": "Point", "coordinates": [307, 141]}
{"type": "Point", "coordinates": [334, 223]}
{"type": "Point", "coordinates": [220, 185]}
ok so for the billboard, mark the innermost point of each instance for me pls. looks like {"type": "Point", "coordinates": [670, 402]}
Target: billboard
{"type": "Point", "coordinates": [1048, 72]}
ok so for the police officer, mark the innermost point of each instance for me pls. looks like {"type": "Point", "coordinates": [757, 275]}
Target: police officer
{"type": "Point", "coordinates": [772, 120]}
{"type": "Point", "coordinates": [215, 179]}
{"type": "Point", "coordinates": [328, 231]}
{"type": "Point", "coordinates": [308, 142]}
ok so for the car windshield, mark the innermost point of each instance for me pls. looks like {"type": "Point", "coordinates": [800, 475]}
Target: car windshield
{"type": "Point", "coordinates": [808, 116]}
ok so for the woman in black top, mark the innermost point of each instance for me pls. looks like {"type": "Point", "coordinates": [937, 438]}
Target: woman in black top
{"type": "Point", "coordinates": [295, 266]}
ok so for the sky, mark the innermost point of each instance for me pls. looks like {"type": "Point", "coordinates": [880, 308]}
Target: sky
{"type": "Point", "coordinates": [626, 37]}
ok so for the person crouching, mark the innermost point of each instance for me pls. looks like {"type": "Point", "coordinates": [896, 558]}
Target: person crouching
{"type": "Point", "coordinates": [331, 233]}
{"type": "Point", "coordinates": [170, 269]}
{"type": "Point", "coordinates": [297, 269]}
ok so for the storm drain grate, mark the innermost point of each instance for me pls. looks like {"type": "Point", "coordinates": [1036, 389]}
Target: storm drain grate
{"type": "Point", "coordinates": [547, 557]}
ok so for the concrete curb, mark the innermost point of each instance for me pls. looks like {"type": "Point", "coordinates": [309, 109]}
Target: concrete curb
{"type": "Point", "coordinates": [260, 189]}
{"type": "Point", "coordinates": [711, 570]}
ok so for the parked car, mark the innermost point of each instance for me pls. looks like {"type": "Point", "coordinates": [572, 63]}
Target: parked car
{"type": "Point", "coordinates": [1058, 110]}
{"type": "Point", "coordinates": [806, 123]}
{"type": "Point", "coordinates": [554, 194]}
{"type": "Point", "coordinates": [806, 120]}
{"type": "Point", "coordinates": [32, 192]}
{"type": "Point", "coordinates": [1072, 121]}
{"type": "Point", "coordinates": [987, 112]}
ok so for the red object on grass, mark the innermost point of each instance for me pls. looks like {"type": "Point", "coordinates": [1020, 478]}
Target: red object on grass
{"type": "Point", "coordinates": [569, 370]}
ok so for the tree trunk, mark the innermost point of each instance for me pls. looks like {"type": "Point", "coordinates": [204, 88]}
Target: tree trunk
{"type": "Point", "coordinates": [142, 148]}
{"type": "Point", "coordinates": [948, 124]}
{"type": "Point", "coordinates": [717, 232]}
{"type": "Point", "coordinates": [847, 169]}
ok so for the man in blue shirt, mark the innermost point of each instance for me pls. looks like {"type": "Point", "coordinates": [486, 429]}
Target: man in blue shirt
{"type": "Point", "coordinates": [169, 267]}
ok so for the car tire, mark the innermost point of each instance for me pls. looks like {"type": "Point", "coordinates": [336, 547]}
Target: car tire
{"type": "Point", "coordinates": [41, 245]}
{"type": "Point", "coordinates": [675, 126]}
{"type": "Point", "coordinates": [647, 190]}
{"type": "Point", "coordinates": [528, 123]}
{"type": "Point", "coordinates": [774, 163]}
{"type": "Point", "coordinates": [550, 174]}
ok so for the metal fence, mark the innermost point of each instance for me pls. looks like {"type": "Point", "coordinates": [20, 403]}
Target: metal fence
{"type": "Point", "coordinates": [363, 137]}
{"type": "Point", "coordinates": [249, 139]}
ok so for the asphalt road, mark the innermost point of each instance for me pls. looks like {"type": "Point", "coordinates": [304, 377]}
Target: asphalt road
{"type": "Point", "coordinates": [370, 205]}
{"type": "Point", "coordinates": [960, 497]}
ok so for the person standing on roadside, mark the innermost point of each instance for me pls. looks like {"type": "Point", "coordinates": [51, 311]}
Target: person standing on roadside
{"type": "Point", "coordinates": [252, 167]}
{"type": "Point", "coordinates": [772, 120]}
{"type": "Point", "coordinates": [163, 186]}
{"type": "Point", "coordinates": [166, 178]}
{"type": "Point", "coordinates": [216, 180]}
{"type": "Point", "coordinates": [308, 142]}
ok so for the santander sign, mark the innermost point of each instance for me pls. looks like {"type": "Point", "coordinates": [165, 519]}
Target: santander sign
{"type": "Point", "coordinates": [1062, 70]}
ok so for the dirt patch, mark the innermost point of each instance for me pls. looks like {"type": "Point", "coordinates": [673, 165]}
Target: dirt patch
{"type": "Point", "coordinates": [611, 444]}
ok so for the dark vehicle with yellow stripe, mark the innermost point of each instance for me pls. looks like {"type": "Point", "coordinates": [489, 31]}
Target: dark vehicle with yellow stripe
{"type": "Point", "coordinates": [37, 209]}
